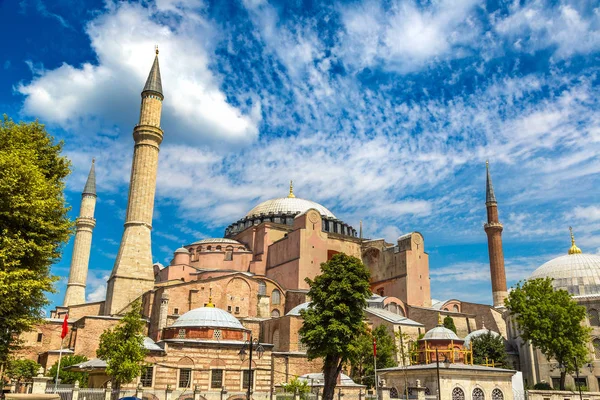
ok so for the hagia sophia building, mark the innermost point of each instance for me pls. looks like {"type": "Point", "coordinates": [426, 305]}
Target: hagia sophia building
{"type": "Point", "coordinates": [218, 292]}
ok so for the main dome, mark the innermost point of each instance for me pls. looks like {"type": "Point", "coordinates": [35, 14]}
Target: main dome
{"type": "Point", "coordinates": [578, 274]}
{"type": "Point", "coordinates": [288, 205]}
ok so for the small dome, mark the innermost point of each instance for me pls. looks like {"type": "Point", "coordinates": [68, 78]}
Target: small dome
{"type": "Point", "coordinates": [479, 332]}
{"type": "Point", "coordinates": [296, 310]}
{"type": "Point", "coordinates": [208, 317]}
{"type": "Point", "coordinates": [440, 333]}
{"type": "Point", "coordinates": [182, 250]}
{"type": "Point", "coordinates": [284, 205]}
{"type": "Point", "coordinates": [578, 274]}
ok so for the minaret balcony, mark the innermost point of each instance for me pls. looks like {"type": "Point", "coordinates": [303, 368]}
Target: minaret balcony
{"type": "Point", "coordinates": [493, 225]}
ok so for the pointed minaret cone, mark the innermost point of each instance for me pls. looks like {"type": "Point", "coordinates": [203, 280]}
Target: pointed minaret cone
{"type": "Point", "coordinates": [133, 273]}
{"type": "Point", "coordinates": [493, 229]}
{"type": "Point", "coordinates": [82, 244]}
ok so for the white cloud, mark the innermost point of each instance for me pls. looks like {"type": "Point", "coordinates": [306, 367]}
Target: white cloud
{"type": "Point", "coordinates": [407, 37]}
{"type": "Point", "coordinates": [96, 285]}
{"type": "Point", "coordinates": [590, 213]}
{"type": "Point", "coordinates": [106, 93]}
{"type": "Point", "coordinates": [571, 27]}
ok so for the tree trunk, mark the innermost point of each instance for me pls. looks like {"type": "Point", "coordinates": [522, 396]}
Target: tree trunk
{"type": "Point", "coordinates": [562, 380]}
{"type": "Point", "coordinates": [331, 370]}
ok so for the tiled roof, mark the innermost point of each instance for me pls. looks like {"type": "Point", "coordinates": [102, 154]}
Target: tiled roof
{"type": "Point", "coordinates": [288, 205]}
{"type": "Point", "coordinates": [154, 83]}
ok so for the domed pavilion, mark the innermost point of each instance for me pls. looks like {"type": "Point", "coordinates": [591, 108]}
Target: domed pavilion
{"type": "Point", "coordinates": [443, 345]}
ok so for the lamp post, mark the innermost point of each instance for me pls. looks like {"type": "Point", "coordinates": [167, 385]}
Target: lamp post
{"type": "Point", "coordinates": [577, 375]}
{"type": "Point", "coordinates": [253, 344]}
{"type": "Point", "coordinates": [437, 368]}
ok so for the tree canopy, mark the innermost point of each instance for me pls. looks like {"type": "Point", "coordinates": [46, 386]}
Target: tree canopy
{"type": "Point", "coordinates": [335, 315]}
{"type": "Point", "coordinates": [69, 376]}
{"type": "Point", "coordinates": [552, 321]}
{"type": "Point", "coordinates": [22, 369]}
{"type": "Point", "coordinates": [489, 347]}
{"type": "Point", "coordinates": [33, 225]}
{"type": "Point", "coordinates": [361, 362]}
{"type": "Point", "coordinates": [449, 323]}
{"type": "Point", "coordinates": [123, 347]}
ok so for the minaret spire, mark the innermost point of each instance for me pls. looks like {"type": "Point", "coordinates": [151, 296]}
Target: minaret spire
{"type": "Point", "coordinates": [133, 273]}
{"type": "Point", "coordinates": [493, 229]}
{"type": "Point", "coordinates": [82, 245]}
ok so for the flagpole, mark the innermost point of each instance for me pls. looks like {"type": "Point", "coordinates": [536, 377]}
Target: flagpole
{"type": "Point", "coordinates": [58, 369]}
{"type": "Point", "coordinates": [375, 366]}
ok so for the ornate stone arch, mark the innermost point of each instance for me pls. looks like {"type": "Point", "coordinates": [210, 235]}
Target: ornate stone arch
{"type": "Point", "coordinates": [478, 393]}
{"type": "Point", "coordinates": [185, 362]}
{"type": "Point", "coordinates": [458, 393]}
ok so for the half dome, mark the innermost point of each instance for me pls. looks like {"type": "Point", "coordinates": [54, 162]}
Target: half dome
{"type": "Point", "coordinates": [479, 332]}
{"type": "Point", "coordinates": [210, 317]}
{"type": "Point", "coordinates": [285, 205]}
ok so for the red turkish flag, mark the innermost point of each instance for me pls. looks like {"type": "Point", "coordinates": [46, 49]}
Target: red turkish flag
{"type": "Point", "coordinates": [65, 327]}
{"type": "Point", "coordinates": [375, 347]}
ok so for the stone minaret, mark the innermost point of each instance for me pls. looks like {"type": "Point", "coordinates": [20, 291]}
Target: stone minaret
{"type": "Point", "coordinates": [133, 273]}
{"type": "Point", "coordinates": [82, 245]}
{"type": "Point", "coordinates": [493, 229]}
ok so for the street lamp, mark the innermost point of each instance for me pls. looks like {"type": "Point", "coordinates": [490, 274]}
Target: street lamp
{"type": "Point", "coordinates": [253, 345]}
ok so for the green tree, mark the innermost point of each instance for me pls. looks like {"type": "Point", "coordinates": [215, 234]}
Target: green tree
{"type": "Point", "coordinates": [489, 347]}
{"type": "Point", "coordinates": [22, 369]}
{"type": "Point", "coordinates": [449, 323]}
{"type": "Point", "coordinates": [295, 385]}
{"type": "Point", "coordinates": [69, 376]}
{"type": "Point", "coordinates": [335, 315]}
{"type": "Point", "coordinates": [123, 347]}
{"type": "Point", "coordinates": [33, 225]}
{"type": "Point", "coordinates": [552, 321]}
{"type": "Point", "coordinates": [361, 362]}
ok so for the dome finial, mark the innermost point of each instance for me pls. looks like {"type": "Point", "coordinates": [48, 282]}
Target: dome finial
{"type": "Point", "coordinates": [210, 303]}
{"type": "Point", "coordinates": [291, 195]}
{"type": "Point", "coordinates": [574, 249]}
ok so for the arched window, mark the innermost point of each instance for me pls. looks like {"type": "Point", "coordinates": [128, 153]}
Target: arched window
{"type": "Point", "coordinates": [275, 313]}
{"type": "Point", "coordinates": [209, 248]}
{"type": "Point", "coordinates": [393, 393]}
{"type": "Point", "coordinates": [218, 248]}
{"type": "Point", "coordinates": [478, 394]}
{"type": "Point", "coordinates": [596, 344]}
{"type": "Point", "coordinates": [455, 308]}
{"type": "Point", "coordinates": [276, 339]}
{"type": "Point", "coordinates": [497, 394]}
{"type": "Point", "coordinates": [275, 297]}
{"type": "Point", "coordinates": [593, 316]}
{"type": "Point", "coordinates": [458, 394]}
{"type": "Point", "coordinates": [301, 346]}
{"type": "Point", "coordinates": [262, 288]}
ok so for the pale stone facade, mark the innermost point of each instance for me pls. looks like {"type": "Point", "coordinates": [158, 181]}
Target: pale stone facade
{"type": "Point", "coordinates": [85, 223]}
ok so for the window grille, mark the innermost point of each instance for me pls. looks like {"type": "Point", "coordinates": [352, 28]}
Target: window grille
{"type": "Point", "coordinates": [497, 394]}
{"type": "Point", "coordinates": [262, 288]}
{"type": "Point", "coordinates": [458, 394]}
{"type": "Point", "coordinates": [146, 377]}
{"type": "Point", "coordinates": [393, 393]}
{"type": "Point", "coordinates": [216, 379]}
{"type": "Point", "coordinates": [185, 377]}
{"type": "Point", "coordinates": [478, 394]}
{"type": "Point", "coordinates": [301, 346]}
{"type": "Point", "coordinates": [181, 334]}
{"type": "Point", "coordinates": [217, 334]}
{"type": "Point", "coordinates": [245, 379]}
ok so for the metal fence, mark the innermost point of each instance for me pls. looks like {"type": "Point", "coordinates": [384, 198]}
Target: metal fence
{"type": "Point", "coordinates": [91, 394]}
{"type": "Point", "coordinates": [64, 391]}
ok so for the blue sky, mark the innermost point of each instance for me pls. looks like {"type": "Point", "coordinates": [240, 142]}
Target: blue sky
{"type": "Point", "coordinates": [381, 111]}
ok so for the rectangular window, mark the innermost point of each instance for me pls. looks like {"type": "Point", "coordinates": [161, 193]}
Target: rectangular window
{"type": "Point", "coordinates": [39, 337]}
{"type": "Point", "coordinates": [176, 311]}
{"type": "Point", "coordinates": [185, 377]}
{"type": "Point", "coordinates": [216, 379]}
{"type": "Point", "coordinates": [245, 379]}
{"type": "Point", "coordinates": [555, 383]}
{"type": "Point", "coordinates": [580, 382]}
{"type": "Point", "coordinates": [229, 308]}
{"type": "Point", "coordinates": [237, 310]}
{"type": "Point", "coordinates": [146, 377]}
